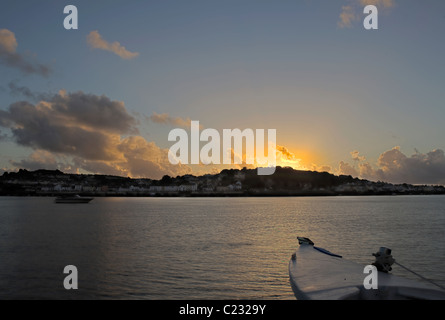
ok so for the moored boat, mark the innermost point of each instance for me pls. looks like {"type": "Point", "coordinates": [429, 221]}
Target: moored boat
{"type": "Point", "coordinates": [317, 274]}
{"type": "Point", "coordinates": [72, 199]}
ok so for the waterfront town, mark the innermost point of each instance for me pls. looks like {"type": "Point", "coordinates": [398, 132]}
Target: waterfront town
{"type": "Point", "coordinates": [245, 182]}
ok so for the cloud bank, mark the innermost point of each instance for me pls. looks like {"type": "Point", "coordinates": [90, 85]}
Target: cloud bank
{"type": "Point", "coordinates": [396, 167]}
{"type": "Point", "coordinates": [11, 58]}
{"type": "Point", "coordinates": [96, 41]}
{"type": "Point", "coordinates": [85, 132]}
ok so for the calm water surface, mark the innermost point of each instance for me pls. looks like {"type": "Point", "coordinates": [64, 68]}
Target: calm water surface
{"type": "Point", "coordinates": [204, 248]}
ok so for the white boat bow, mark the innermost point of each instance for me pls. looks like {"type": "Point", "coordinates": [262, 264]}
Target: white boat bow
{"type": "Point", "coordinates": [317, 274]}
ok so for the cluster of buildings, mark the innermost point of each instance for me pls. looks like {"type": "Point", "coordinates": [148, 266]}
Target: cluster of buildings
{"type": "Point", "coordinates": [365, 187]}
{"type": "Point", "coordinates": [46, 182]}
{"type": "Point", "coordinates": [243, 182]}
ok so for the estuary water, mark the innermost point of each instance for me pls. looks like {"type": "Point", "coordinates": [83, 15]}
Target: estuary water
{"type": "Point", "coordinates": [204, 248]}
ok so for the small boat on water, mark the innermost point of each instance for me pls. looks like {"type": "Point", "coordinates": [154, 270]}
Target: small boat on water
{"type": "Point", "coordinates": [72, 199]}
{"type": "Point", "coordinates": [318, 274]}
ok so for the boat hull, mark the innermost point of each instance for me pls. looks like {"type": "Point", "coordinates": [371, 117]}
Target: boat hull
{"type": "Point", "coordinates": [320, 275]}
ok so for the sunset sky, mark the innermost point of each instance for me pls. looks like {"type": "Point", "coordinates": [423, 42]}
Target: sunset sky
{"type": "Point", "coordinates": [103, 98]}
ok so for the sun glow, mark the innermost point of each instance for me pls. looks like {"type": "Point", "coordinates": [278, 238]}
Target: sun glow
{"type": "Point", "coordinates": [287, 158]}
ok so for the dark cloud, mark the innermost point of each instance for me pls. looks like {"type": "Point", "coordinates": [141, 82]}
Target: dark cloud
{"type": "Point", "coordinates": [16, 90]}
{"type": "Point", "coordinates": [418, 168]}
{"type": "Point", "coordinates": [67, 140]}
{"type": "Point", "coordinates": [396, 167]}
{"type": "Point", "coordinates": [94, 132]}
{"type": "Point", "coordinates": [79, 124]}
{"type": "Point", "coordinates": [9, 57]}
{"type": "Point", "coordinates": [95, 111]}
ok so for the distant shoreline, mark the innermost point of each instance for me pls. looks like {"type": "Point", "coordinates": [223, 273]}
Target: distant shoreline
{"type": "Point", "coordinates": [226, 195]}
{"type": "Point", "coordinates": [285, 182]}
